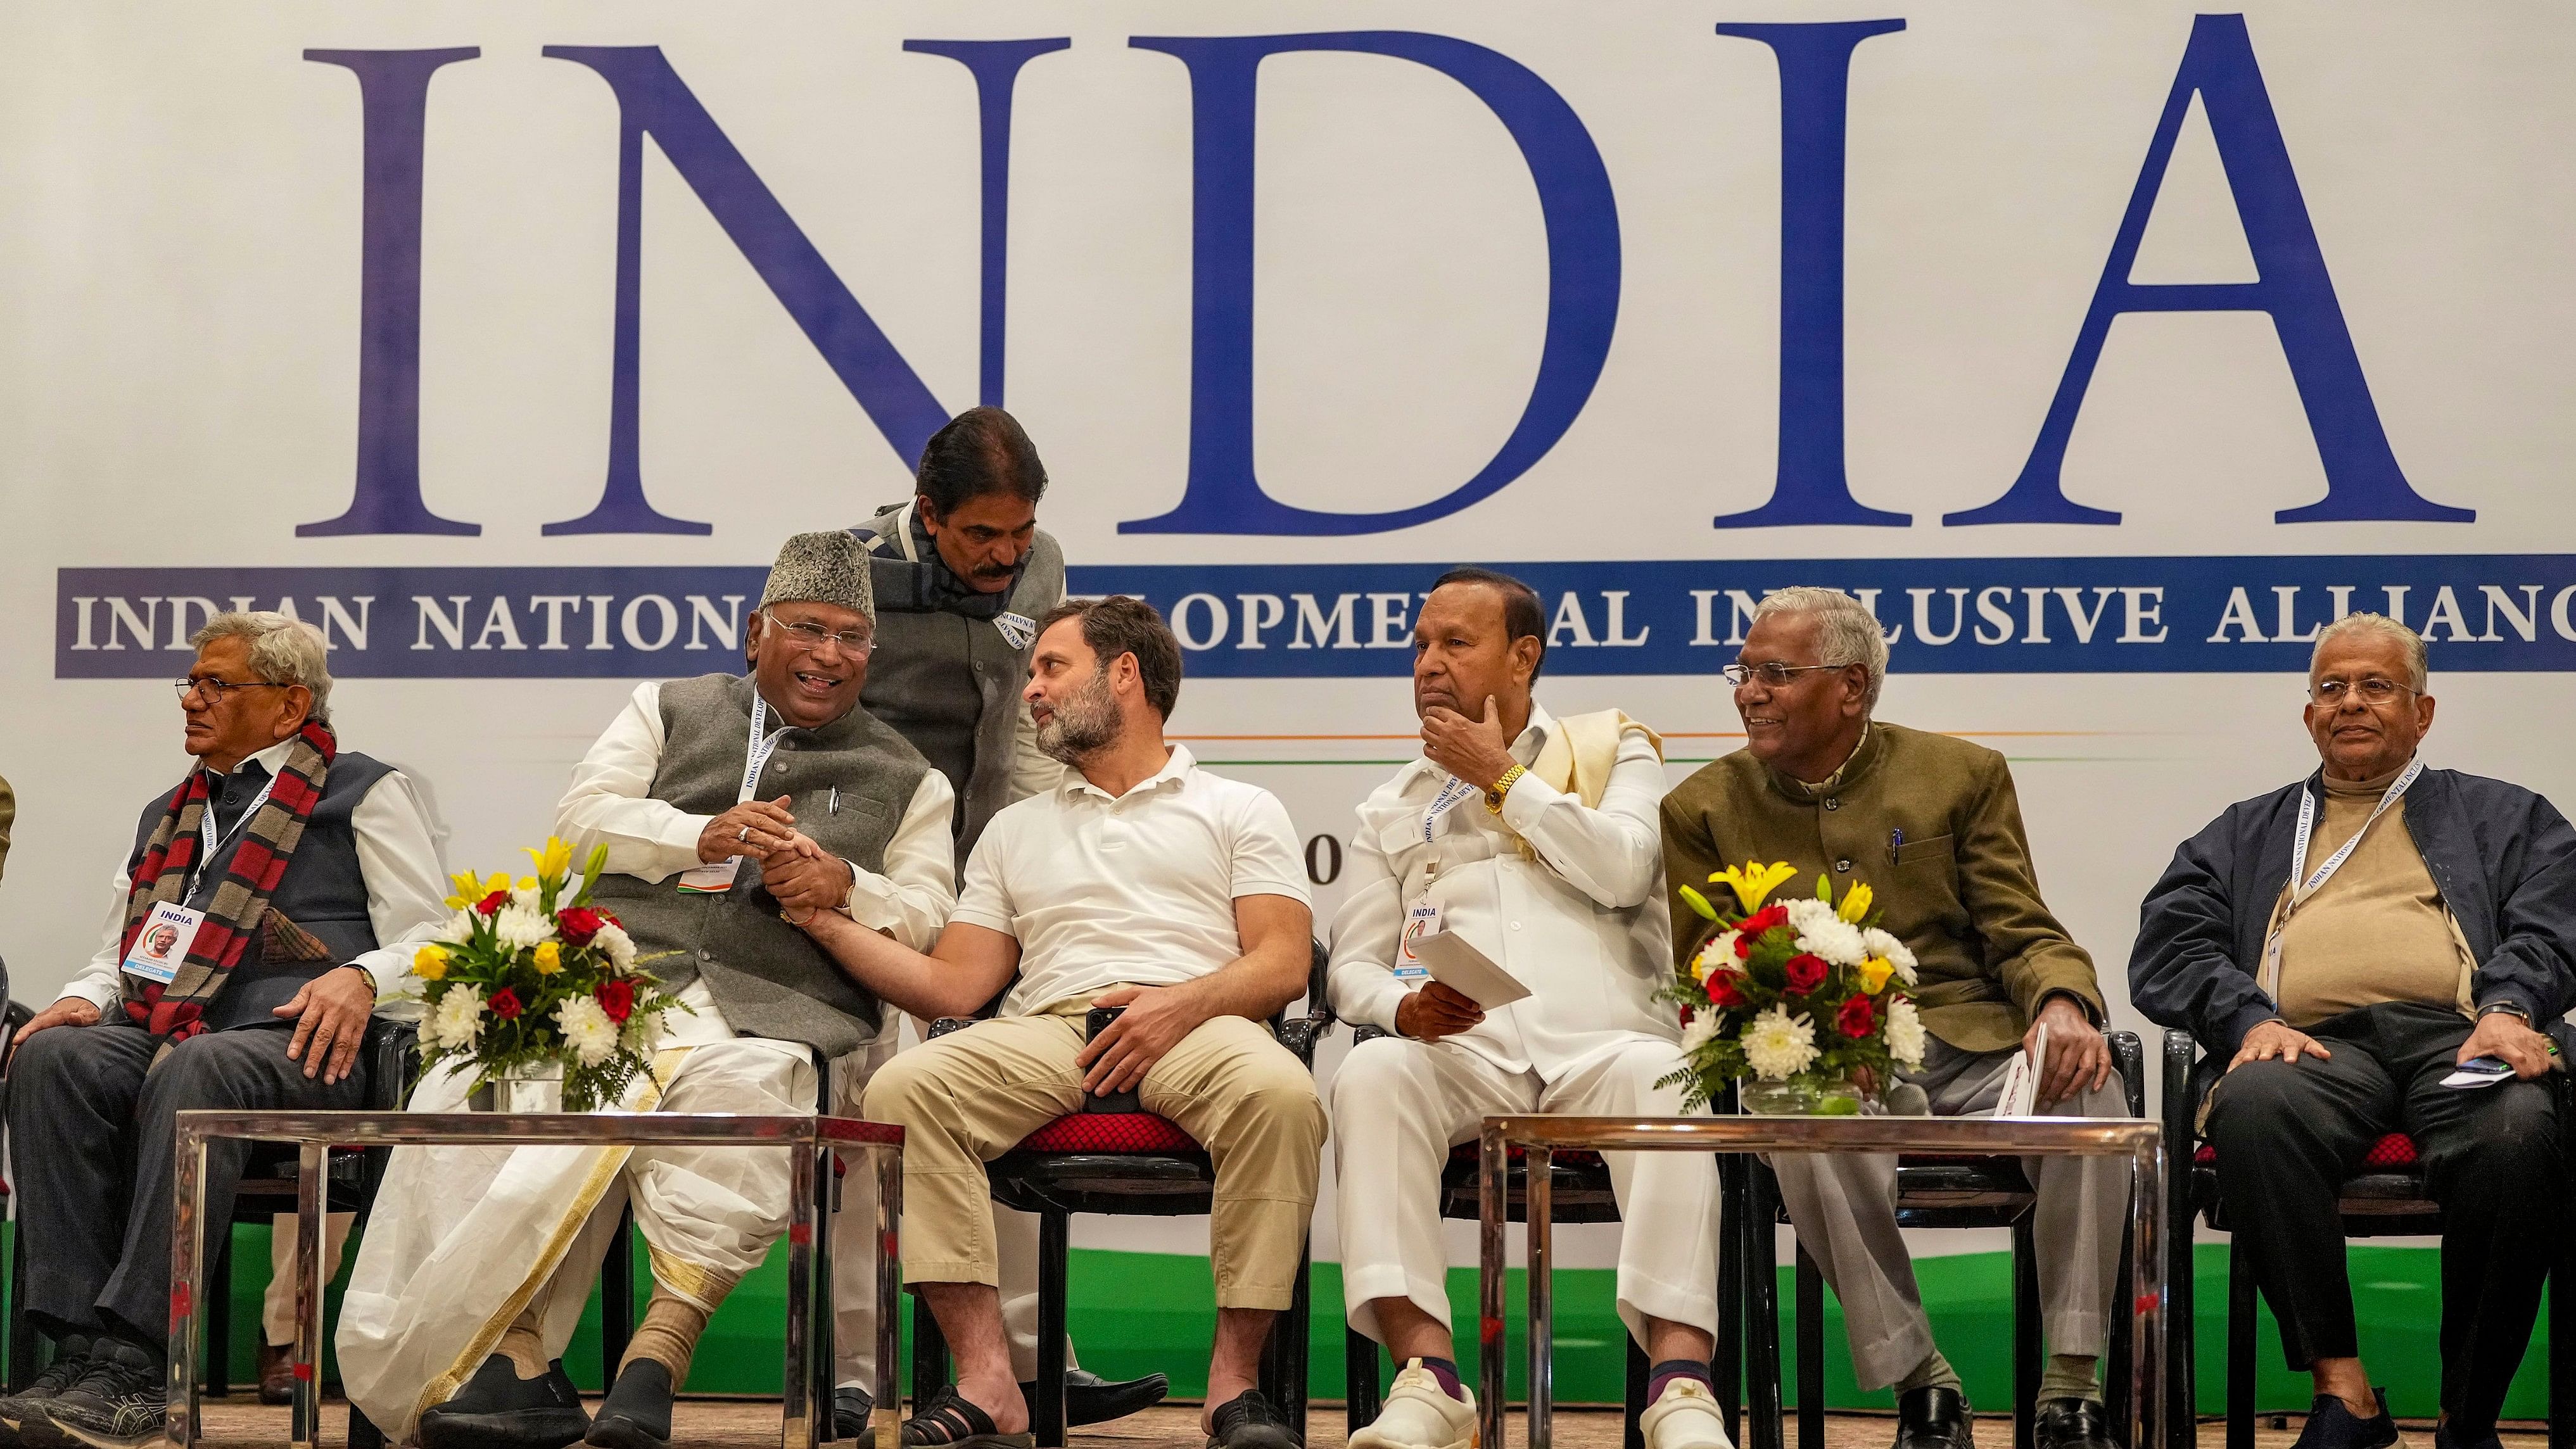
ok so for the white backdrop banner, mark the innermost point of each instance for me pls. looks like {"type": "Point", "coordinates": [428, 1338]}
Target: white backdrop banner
{"type": "Point", "coordinates": [2104, 350]}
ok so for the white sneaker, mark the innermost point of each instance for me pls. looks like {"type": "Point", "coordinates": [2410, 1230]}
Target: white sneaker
{"type": "Point", "coordinates": [1684, 1416]}
{"type": "Point", "coordinates": [1419, 1414]}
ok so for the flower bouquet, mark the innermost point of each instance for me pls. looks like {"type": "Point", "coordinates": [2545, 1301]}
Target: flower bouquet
{"type": "Point", "coordinates": [526, 977]}
{"type": "Point", "coordinates": [1797, 995]}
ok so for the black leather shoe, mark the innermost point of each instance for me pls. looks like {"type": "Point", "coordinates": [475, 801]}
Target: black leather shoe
{"type": "Point", "coordinates": [2072, 1423]}
{"type": "Point", "coordinates": [2443, 1438]}
{"type": "Point", "coordinates": [1091, 1399]}
{"type": "Point", "coordinates": [850, 1410]}
{"type": "Point", "coordinates": [2332, 1425]}
{"type": "Point", "coordinates": [497, 1409]}
{"type": "Point", "coordinates": [1935, 1418]}
{"type": "Point", "coordinates": [1249, 1421]}
{"type": "Point", "coordinates": [637, 1412]}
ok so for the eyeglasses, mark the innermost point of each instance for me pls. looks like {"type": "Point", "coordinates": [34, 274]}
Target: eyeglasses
{"type": "Point", "coordinates": [219, 689]}
{"type": "Point", "coordinates": [1774, 673]}
{"type": "Point", "coordinates": [858, 643]}
{"type": "Point", "coordinates": [2373, 690]}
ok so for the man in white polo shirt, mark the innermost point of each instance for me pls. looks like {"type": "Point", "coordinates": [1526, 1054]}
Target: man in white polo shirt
{"type": "Point", "coordinates": [1143, 883]}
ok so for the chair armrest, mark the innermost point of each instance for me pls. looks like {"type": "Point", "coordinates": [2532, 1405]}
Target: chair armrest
{"type": "Point", "coordinates": [2128, 1058]}
{"type": "Point", "coordinates": [392, 1049]}
{"type": "Point", "coordinates": [2179, 1107]}
{"type": "Point", "coordinates": [1302, 1034]}
{"type": "Point", "coordinates": [946, 1024]}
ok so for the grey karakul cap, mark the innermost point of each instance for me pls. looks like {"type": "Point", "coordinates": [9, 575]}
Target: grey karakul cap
{"type": "Point", "coordinates": [830, 567]}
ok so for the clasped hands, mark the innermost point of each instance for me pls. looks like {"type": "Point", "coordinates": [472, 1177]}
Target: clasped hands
{"type": "Point", "coordinates": [804, 877]}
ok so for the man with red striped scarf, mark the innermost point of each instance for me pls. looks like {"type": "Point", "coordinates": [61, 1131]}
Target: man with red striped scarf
{"type": "Point", "coordinates": [271, 900]}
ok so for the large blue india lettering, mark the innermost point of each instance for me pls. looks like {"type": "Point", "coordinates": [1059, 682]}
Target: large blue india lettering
{"type": "Point", "coordinates": [2363, 480]}
{"type": "Point", "coordinates": [1575, 205]}
{"type": "Point", "coordinates": [1815, 87]}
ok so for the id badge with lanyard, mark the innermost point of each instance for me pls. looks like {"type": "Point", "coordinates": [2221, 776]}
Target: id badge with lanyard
{"type": "Point", "coordinates": [163, 942]}
{"type": "Point", "coordinates": [1421, 913]}
{"type": "Point", "coordinates": [718, 878]}
{"type": "Point", "coordinates": [2304, 886]}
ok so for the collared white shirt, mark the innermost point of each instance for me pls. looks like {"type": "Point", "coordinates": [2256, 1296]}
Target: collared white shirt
{"type": "Point", "coordinates": [406, 890]}
{"type": "Point", "coordinates": [1136, 889]}
{"type": "Point", "coordinates": [1583, 926]}
{"type": "Point", "coordinates": [611, 803]}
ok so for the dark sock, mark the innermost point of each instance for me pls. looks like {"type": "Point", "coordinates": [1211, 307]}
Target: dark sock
{"type": "Point", "coordinates": [1675, 1368]}
{"type": "Point", "coordinates": [1446, 1371]}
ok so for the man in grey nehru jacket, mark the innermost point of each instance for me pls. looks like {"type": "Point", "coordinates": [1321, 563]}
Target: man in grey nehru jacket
{"type": "Point", "coordinates": [733, 808]}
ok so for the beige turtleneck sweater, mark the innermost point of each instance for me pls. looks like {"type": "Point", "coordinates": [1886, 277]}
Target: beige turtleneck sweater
{"type": "Point", "coordinates": [2378, 931]}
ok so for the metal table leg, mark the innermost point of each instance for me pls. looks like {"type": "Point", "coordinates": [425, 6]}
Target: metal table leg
{"type": "Point", "coordinates": [312, 1179]}
{"type": "Point", "coordinates": [1492, 1371]}
{"type": "Point", "coordinates": [187, 1241]}
{"type": "Point", "coordinates": [2147, 1362]}
{"type": "Point", "coordinates": [797, 1426]}
{"type": "Point", "coordinates": [1541, 1171]}
{"type": "Point", "coordinates": [886, 1421]}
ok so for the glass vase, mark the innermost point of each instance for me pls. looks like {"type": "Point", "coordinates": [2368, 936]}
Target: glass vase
{"type": "Point", "coordinates": [1800, 1096]}
{"type": "Point", "coordinates": [533, 1087]}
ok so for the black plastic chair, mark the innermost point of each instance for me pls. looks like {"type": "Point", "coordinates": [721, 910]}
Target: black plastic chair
{"type": "Point", "coordinates": [1931, 1192]}
{"type": "Point", "coordinates": [1579, 1192]}
{"type": "Point", "coordinates": [1122, 1163]}
{"type": "Point", "coordinates": [2385, 1197]}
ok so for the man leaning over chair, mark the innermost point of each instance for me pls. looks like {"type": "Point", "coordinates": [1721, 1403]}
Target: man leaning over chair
{"type": "Point", "coordinates": [1533, 839]}
{"type": "Point", "coordinates": [1141, 882]}
{"type": "Point", "coordinates": [2344, 944]}
{"type": "Point", "coordinates": [293, 877]}
{"type": "Point", "coordinates": [1931, 824]}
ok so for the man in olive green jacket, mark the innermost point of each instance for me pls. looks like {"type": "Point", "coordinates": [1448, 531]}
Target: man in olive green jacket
{"type": "Point", "coordinates": [1932, 825]}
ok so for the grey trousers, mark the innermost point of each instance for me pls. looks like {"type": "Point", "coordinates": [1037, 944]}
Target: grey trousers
{"type": "Point", "coordinates": [1843, 1205]}
{"type": "Point", "coordinates": [94, 1139]}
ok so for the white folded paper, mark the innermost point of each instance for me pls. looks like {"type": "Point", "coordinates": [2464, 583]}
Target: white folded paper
{"type": "Point", "coordinates": [1458, 965]}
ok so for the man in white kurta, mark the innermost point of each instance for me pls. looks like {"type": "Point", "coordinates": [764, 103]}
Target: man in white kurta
{"type": "Point", "coordinates": [478, 1261]}
{"type": "Point", "coordinates": [1535, 840]}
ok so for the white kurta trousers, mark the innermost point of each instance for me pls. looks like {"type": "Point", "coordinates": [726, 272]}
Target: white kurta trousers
{"type": "Point", "coordinates": [1399, 1106]}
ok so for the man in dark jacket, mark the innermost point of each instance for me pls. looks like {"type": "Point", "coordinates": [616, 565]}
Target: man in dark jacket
{"type": "Point", "coordinates": [2344, 944]}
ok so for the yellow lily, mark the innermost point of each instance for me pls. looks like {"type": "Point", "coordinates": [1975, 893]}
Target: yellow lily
{"type": "Point", "coordinates": [1874, 973]}
{"type": "Point", "coordinates": [429, 963]}
{"type": "Point", "coordinates": [467, 886]}
{"type": "Point", "coordinates": [499, 880]}
{"type": "Point", "coordinates": [555, 862]}
{"type": "Point", "coordinates": [1855, 904]}
{"type": "Point", "coordinates": [549, 958]}
{"type": "Point", "coordinates": [1752, 882]}
{"type": "Point", "coordinates": [456, 903]}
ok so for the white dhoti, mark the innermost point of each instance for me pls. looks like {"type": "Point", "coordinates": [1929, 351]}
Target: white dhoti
{"type": "Point", "coordinates": [1399, 1106]}
{"type": "Point", "coordinates": [465, 1239]}
{"type": "Point", "coordinates": [854, 1261]}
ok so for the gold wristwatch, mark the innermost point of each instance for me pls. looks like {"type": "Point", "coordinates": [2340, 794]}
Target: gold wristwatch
{"type": "Point", "coordinates": [1502, 787]}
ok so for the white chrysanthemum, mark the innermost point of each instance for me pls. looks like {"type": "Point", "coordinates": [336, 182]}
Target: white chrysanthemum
{"type": "Point", "coordinates": [1905, 1035]}
{"type": "Point", "coordinates": [619, 946]}
{"type": "Point", "coordinates": [524, 897]}
{"type": "Point", "coordinates": [1878, 943]}
{"type": "Point", "coordinates": [641, 1032]}
{"type": "Point", "coordinates": [1717, 955]}
{"type": "Point", "coordinates": [459, 1018]}
{"type": "Point", "coordinates": [587, 1030]}
{"type": "Point", "coordinates": [1702, 1028]}
{"type": "Point", "coordinates": [1778, 1046]}
{"type": "Point", "coordinates": [459, 928]}
{"type": "Point", "coordinates": [519, 927]}
{"type": "Point", "coordinates": [1835, 940]}
{"type": "Point", "coordinates": [1807, 911]}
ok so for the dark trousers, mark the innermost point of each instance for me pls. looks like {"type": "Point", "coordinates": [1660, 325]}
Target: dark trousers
{"type": "Point", "coordinates": [94, 1135]}
{"type": "Point", "coordinates": [2289, 1136]}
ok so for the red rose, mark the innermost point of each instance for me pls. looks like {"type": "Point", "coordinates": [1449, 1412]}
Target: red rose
{"type": "Point", "coordinates": [1806, 971]}
{"type": "Point", "coordinates": [1725, 988]}
{"type": "Point", "coordinates": [578, 924]}
{"type": "Point", "coordinates": [491, 905]}
{"type": "Point", "coordinates": [1857, 1019]}
{"type": "Point", "coordinates": [1764, 919]}
{"type": "Point", "coordinates": [616, 997]}
{"type": "Point", "coordinates": [1744, 946]}
{"type": "Point", "coordinates": [505, 1004]}
{"type": "Point", "coordinates": [1686, 1013]}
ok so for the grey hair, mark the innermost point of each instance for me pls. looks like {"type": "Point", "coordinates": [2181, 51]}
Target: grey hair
{"type": "Point", "coordinates": [2418, 670]}
{"type": "Point", "coordinates": [283, 650]}
{"type": "Point", "coordinates": [1846, 633]}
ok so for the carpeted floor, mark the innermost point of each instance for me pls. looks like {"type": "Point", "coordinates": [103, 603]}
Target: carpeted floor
{"type": "Point", "coordinates": [753, 1424]}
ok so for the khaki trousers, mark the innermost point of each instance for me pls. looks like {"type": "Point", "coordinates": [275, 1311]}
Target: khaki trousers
{"type": "Point", "coordinates": [970, 1096]}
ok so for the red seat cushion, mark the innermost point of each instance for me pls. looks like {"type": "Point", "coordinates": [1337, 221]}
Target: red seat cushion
{"type": "Point", "coordinates": [1136, 1132]}
{"type": "Point", "coordinates": [2388, 1153]}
